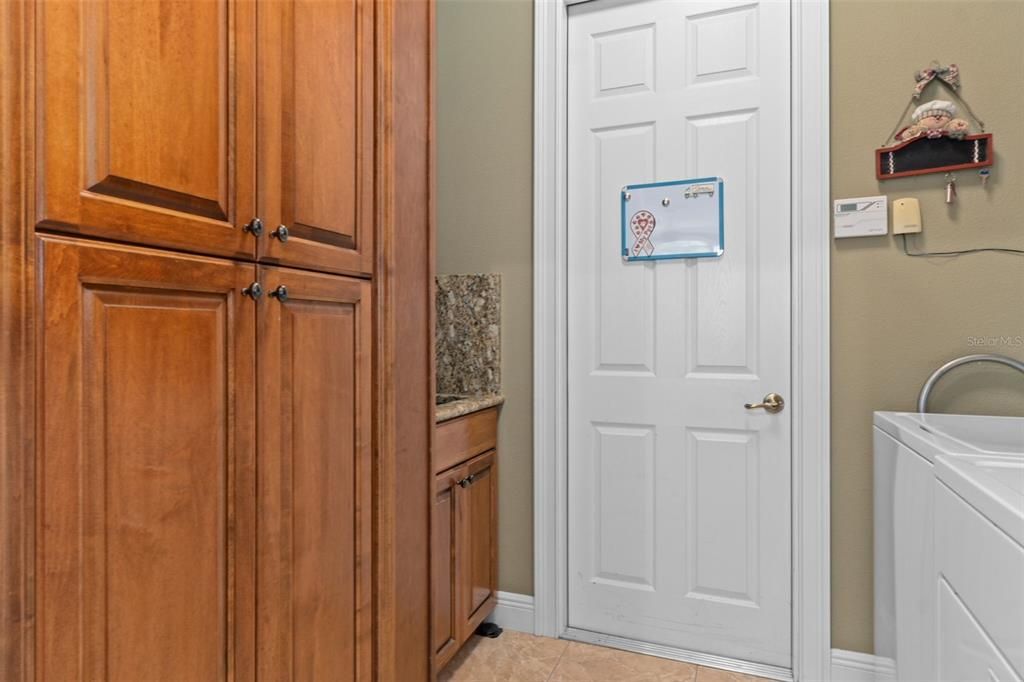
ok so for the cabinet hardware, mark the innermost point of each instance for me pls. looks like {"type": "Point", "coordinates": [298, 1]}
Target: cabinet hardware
{"type": "Point", "coordinates": [280, 233]}
{"type": "Point", "coordinates": [280, 293]}
{"type": "Point", "coordinates": [467, 481]}
{"type": "Point", "coordinates": [255, 290]}
{"type": "Point", "coordinates": [255, 226]}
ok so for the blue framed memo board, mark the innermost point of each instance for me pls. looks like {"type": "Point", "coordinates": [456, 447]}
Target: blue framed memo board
{"type": "Point", "coordinates": [675, 219]}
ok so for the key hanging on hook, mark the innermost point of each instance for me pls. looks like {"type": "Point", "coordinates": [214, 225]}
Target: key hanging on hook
{"type": "Point", "coordinates": [950, 188]}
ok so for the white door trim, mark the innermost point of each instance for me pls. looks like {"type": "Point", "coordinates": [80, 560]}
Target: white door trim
{"type": "Point", "coordinates": [810, 318]}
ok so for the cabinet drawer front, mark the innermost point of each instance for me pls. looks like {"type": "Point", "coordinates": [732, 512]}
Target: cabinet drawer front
{"type": "Point", "coordinates": [985, 568]}
{"type": "Point", "coordinates": [459, 439]}
{"type": "Point", "coordinates": [145, 465]}
{"type": "Point", "coordinates": [146, 115]}
{"type": "Point", "coordinates": [316, 134]}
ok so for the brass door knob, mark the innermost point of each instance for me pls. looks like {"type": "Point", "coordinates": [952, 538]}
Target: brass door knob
{"type": "Point", "coordinates": [772, 403]}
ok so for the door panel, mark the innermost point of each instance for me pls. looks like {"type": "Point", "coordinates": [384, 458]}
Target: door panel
{"type": "Point", "coordinates": [679, 498]}
{"type": "Point", "coordinates": [477, 543]}
{"type": "Point", "coordinates": [146, 114]}
{"type": "Point", "coordinates": [314, 491]}
{"type": "Point", "coordinates": [146, 465]}
{"type": "Point", "coordinates": [316, 133]}
{"type": "Point", "coordinates": [444, 559]}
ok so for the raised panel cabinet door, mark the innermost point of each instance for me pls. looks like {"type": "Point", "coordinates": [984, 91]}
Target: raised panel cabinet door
{"type": "Point", "coordinates": [477, 542]}
{"type": "Point", "coordinates": [145, 465]}
{"type": "Point", "coordinates": [146, 114]}
{"type": "Point", "coordinates": [314, 457]}
{"type": "Point", "coordinates": [315, 133]}
{"type": "Point", "coordinates": [445, 624]}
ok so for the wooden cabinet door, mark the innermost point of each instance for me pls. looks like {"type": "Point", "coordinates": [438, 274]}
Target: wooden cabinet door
{"type": "Point", "coordinates": [146, 114]}
{"type": "Point", "coordinates": [445, 623]}
{"type": "Point", "coordinates": [145, 465]}
{"type": "Point", "coordinates": [477, 542]}
{"type": "Point", "coordinates": [315, 133]}
{"type": "Point", "coordinates": [314, 455]}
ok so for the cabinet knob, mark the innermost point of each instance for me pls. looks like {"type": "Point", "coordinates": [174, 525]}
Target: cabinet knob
{"type": "Point", "coordinates": [280, 233]}
{"type": "Point", "coordinates": [254, 290]}
{"type": "Point", "coordinates": [255, 226]}
{"type": "Point", "coordinates": [280, 293]}
{"type": "Point", "coordinates": [467, 481]}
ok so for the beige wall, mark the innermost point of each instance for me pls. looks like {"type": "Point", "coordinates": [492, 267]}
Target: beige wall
{"type": "Point", "coordinates": [894, 318]}
{"type": "Point", "coordinates": [485, 221]}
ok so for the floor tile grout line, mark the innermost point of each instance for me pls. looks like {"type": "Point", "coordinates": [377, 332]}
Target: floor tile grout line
{"type": "Point", "coordinates": [558, 661]}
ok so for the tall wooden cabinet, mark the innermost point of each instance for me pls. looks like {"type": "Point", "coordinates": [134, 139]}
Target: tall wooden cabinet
{"type": "Point", "coordinates": [146, 504]}
{"type": "Point", "coordinates": [210, 249]}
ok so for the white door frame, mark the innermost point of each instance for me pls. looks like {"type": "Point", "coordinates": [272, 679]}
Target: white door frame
{"type": "Point", "coordinates": [810, 332]}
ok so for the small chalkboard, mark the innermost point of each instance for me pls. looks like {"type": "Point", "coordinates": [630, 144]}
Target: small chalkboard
{"type": "Point", "coordinates": [923, 155]}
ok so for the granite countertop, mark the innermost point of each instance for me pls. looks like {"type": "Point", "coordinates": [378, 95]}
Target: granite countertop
{"type": "Point", "coordinates": [457, 406]}
{"type": "Point", "coordinates": [468, 344]}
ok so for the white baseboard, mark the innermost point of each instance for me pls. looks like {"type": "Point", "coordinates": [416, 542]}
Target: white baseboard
{"type": "Point", "coordinates": [514, 612]}
{"type": "Point", "coordinates": [853, 666]}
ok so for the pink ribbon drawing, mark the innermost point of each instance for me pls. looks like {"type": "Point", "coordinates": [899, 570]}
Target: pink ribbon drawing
{"type": "Point", "coordinates": [642, 227]}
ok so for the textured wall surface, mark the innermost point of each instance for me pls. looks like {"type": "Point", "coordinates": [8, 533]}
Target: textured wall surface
{"type": "Point", "coordinates": [485, 222]}
{"type": "Point", "coordinates": [894, 318]}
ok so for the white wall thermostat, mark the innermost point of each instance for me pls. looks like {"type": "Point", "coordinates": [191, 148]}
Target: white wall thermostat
{"type": "Point", "coordinates": [861, 217]}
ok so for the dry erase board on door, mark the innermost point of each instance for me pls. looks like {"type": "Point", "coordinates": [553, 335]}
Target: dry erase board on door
{"type": "Point", "coordinates": [675, 219]}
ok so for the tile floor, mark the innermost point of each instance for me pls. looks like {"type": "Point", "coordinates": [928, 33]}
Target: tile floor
{"type": "Point", "coordinates": [519, 657]}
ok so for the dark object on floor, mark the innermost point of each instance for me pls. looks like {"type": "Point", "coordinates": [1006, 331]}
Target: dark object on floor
{"type": "Point", "coordinates": [489, 630]}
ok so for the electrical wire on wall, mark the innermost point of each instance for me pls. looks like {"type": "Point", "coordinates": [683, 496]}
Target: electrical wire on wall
{"type": "Point", "coordinates": [993, 249]}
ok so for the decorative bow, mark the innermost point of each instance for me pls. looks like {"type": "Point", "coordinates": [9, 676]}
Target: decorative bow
{"type": "Point", "coordinates": [950, 75]}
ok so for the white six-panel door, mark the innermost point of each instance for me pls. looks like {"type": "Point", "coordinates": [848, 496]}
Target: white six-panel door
{"type": "Point", "coordinates": [679, 498]}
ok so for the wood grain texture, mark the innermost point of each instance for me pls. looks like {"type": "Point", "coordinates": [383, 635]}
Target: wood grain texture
{"type": "Point", "coordinates": [459, 439]}
{"type": "Point", "coordinates": [445, 567]}
{"type": "Point", "coordinates": [316, 125]}
{"type": "Point", "coordinates": [16, 343]}
{"type": "Point", "coordinates": [464, 532]}
{"type": "Point", "coordinates": [146, 494]}
{"type": "Point", "coordinates": [477, 544]}
{"type": "Point", "coordinates": [146, 114]}
{"type": "Point", "coordinates": [404, 294]}
{"type": "Point", "coordinates": [315, 459]}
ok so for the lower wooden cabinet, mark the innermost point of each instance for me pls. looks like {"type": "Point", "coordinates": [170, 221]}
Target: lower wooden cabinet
{"type": "Point", "coordinates": [204, 469]}
{"type": "Point", "coordinates": [314, 459]}
{"type": "Point", "coordinates": [145, 466]}
{"type": "Point", "coordinates": [464, 537]}
{"type": "Point", "coordinates": [444, 560]}
{"type": "Point", "coordinates": [476, 544]}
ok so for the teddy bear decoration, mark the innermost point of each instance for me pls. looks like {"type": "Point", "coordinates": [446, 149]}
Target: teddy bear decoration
{"type": "Point", "coordinates": [937, 139]}
{"type": "Point", "coordinates": [935, 119]}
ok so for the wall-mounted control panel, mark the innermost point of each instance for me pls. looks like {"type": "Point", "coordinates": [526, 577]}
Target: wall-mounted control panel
{"type": "Point", "coordinates": [861, 217]}
{"type": "Point", "coordinates": [906, 216]}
